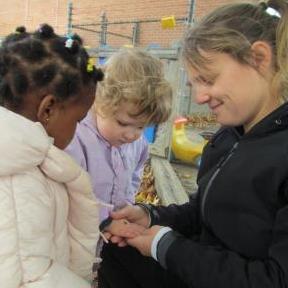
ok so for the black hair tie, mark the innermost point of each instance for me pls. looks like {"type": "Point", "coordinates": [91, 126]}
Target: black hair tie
{"type": "Point", "coordinates": [263, 5]}
{"type": "Point", "coordinates": [20, 30]}
{"type": "Point", "coordinates": [45, 31]}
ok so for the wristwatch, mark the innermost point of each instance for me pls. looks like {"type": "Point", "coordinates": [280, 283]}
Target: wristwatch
{"type": "Point", "coordinates": [106, 222]}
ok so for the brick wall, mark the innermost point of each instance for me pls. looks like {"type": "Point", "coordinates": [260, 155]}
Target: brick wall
{"type": "Point", "coordinates": [33, 12]}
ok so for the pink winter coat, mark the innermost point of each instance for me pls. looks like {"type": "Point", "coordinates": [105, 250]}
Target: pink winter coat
{"type": "Point", "coordinates": [48, 214]}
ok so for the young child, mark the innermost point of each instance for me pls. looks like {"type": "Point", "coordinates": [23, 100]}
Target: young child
{"type": "Point", "coordinates": [108, 143]}
{"type": "Point", "coordinates": [48, 213]}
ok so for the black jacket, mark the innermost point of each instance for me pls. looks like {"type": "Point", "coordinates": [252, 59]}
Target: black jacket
{"type": "Point", "coordinates": [235, 232]}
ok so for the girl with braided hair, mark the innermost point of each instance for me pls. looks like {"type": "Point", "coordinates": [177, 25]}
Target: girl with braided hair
{"type": "Point", "coordinates": [48, 215]}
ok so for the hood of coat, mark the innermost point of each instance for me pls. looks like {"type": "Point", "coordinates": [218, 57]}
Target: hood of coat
{"type": "Point", "coordinates": [23, 143]}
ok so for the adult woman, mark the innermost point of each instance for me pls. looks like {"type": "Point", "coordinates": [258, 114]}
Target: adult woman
{"type": "Point", "coordinates": [235, 234]}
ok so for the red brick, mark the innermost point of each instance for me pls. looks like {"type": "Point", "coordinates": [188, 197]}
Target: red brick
{"type": "Point", "coordinates": [33, 12]}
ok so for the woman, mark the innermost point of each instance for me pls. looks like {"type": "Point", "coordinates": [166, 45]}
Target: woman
{"type": "Point", "coordinates": [235, 233]}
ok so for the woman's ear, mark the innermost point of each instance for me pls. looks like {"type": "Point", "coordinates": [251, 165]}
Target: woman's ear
{"type": "Point", "coordinates": [46, 109]}
{"type": "Point", "coordinates": [262, 56]}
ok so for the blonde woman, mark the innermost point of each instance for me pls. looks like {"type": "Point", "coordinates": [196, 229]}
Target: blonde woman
{"type": "Point", "coordinates": [235, 233]}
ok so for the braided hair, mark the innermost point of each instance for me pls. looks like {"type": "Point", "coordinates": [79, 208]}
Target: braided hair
{"type": "Point", "coordinates": [43, 61]}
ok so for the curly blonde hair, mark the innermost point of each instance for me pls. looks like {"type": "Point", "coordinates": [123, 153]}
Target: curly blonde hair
{"type": "Point", "coordinates": [134, 76]}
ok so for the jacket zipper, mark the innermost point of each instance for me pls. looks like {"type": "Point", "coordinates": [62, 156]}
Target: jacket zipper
{"type": "Point", "coordinates": [220, 164]}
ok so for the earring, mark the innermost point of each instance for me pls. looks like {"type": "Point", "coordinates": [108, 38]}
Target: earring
{"type": "Point", "coordinates": [47, 120]}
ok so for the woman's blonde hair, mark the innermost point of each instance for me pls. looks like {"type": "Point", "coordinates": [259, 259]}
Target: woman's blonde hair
{"type": "Point", "coordinates": [233, 28]}
{"type": "Point", "coordinates": [134, 76]}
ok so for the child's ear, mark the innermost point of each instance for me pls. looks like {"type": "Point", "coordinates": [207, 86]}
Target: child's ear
{"type": "Point", "coordinates": [46, 109]}
{"type": "Point", "coordinates": [262, 56]}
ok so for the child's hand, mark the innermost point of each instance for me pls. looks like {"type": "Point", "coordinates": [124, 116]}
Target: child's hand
{"type": "Point", "coordinates": [132, 213]}
{"type": "Point", "coordinates": [123, 229]}
{"type": "Point", "coordinates": [120, 241]}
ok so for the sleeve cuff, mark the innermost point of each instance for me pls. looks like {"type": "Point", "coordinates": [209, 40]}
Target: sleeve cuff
{"type": "Point", "coordinates": [151, 210]}
{"type": "Point", "coordinates": [156, 239]}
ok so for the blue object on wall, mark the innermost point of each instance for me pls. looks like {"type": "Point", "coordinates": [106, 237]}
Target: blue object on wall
{"type": "Point", "coordinates": [150, 132]}
{"type": "Point", "coordinates": [101, 60]}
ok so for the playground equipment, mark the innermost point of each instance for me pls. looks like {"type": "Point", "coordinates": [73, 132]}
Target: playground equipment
{"type": "Point", "coordinates": [185, 149]}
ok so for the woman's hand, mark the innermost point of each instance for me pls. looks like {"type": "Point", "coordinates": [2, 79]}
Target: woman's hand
{"type": "Point", "coordinates": [143, 242]}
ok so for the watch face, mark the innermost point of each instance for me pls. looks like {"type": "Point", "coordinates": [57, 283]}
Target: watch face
{"type": "Point", "coordinates": [106, 222]}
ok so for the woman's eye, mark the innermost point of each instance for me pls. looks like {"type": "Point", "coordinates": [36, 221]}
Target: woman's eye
{"type": "Point", "coordinates": [206, 81]}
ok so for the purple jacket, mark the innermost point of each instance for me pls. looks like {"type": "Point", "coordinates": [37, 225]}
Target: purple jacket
{"type": "Point", "coordinates": [115, 171]}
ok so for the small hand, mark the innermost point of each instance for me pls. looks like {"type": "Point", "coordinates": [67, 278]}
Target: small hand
{"type": "Point", "coordinates": [132, 213]}
{"type": "Point", "coordinates": [120, 241]}
{"type": "Point", "coordinates": [119, 230]}
{"type": "Point", "coordinates": [143, 242]}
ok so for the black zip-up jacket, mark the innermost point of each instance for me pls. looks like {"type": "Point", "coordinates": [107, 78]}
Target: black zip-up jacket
{"type": "Point", "coordinates": [235, 232]}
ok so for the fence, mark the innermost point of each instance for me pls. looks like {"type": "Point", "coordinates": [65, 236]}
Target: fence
{"type": "Point", "coordinates": [132, 29]}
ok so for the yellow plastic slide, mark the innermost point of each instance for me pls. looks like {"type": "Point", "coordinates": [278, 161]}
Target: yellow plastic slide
{"type": "Point", "coordinates": [184, 149]}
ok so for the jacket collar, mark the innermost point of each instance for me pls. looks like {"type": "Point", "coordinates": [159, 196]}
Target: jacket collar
{"type": "Point", "coordinates": [277, 120]}
{"type": "Point", "coordinates": [90, 122]}
{"type": "Point", "coordinates": [24, 145]}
